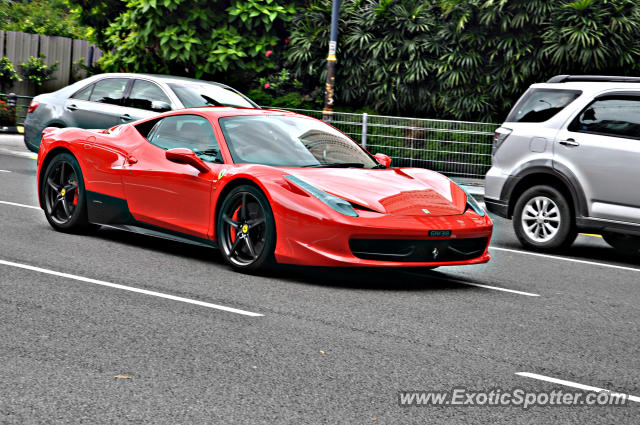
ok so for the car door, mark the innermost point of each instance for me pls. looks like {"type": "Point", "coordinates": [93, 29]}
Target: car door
{"type": "Point", "coordinates": [145, 99]}
{"type": "Point", "coordinates": [601, 146]}
{"type": "Point", "coordinates": [168, 194]}
{"type": "Point", "coordinates": [99, 105]}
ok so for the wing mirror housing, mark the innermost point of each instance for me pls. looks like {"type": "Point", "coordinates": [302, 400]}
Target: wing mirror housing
{"type": "Point", "coordinates": [160, 106]}
{"type": "Point", "coordinates": [383, 159]}
{"type": "Point", "coordinates": [187, 156]}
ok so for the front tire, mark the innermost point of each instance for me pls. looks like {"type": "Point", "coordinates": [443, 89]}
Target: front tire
{"type": "Point", "coordinates": [63, 195]}
{"type": "Point", "coordinates": [542, 219]}
{"type": "Point", "coordinates": [625, 244]}
{"type": "Point", "coordinates": [246, 229]}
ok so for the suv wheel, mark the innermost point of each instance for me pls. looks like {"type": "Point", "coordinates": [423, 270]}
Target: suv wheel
{"type": "Point", "coordinates": [542, 219]}
{"type": "Point", "coordinates": [623, 243]}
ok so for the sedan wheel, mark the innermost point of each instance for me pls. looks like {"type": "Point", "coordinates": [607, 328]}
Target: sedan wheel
{"type": "Point", "coordinates": [246, 229]}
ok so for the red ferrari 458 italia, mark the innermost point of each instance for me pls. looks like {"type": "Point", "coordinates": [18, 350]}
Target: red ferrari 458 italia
{"type": "Point", "coordinates": [262, 185]}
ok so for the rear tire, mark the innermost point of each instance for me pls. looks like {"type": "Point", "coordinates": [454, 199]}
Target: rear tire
{"type": "Point", "coordinates": [624, 243]}
{"type": "Point", "coordinates": [543, 220]}
{"type": "Point", "coordinates": [246, 229]}
{"type": "Point", "coordinates": [63, 195]}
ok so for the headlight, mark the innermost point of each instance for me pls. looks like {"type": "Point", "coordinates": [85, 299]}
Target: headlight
{"type": "Point", "coordinates": [473, 204]}
{"type": "Point", "coordinates": [338, 204]}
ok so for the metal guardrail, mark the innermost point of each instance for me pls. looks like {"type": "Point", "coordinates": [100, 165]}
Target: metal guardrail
{"type": "Point", "coordinates": [455, 148]}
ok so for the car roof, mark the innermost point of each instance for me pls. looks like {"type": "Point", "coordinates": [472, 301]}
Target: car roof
{"type": "Point", "coordinates": [589, 86]}
{"type": "Point", "coordinates": [228, 111]}
{"type": "Point", "coordinates": [161, 77]}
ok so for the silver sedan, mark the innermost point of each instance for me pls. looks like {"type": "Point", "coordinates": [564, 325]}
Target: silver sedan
{"type": "Point", "coordinates": [106, 100]}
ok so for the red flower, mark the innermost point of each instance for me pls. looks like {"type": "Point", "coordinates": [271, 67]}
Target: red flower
{"type": "Point", "coordinates": [267, 85]}
{"type": "Point", "coordinates": [286, 41]}
{"type": "Point", "coordinates": [268, 53]}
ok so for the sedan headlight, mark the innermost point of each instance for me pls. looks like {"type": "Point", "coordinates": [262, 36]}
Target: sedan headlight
{"type": "Point", "coordinates": [473, 204]}
{"type": "Point", "coordinates": [336, 203]}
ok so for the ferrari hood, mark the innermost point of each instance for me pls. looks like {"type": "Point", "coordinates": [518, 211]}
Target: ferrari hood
{"type": "Point", "coordinates": [398, 191]}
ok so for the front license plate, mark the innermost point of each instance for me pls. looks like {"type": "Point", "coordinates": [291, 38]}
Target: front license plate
{"type": "Point", "coordinates": [439, 233]}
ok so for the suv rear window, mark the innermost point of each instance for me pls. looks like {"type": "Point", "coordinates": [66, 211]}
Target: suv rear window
{"type": "Point", "coordinates": [539, 105]}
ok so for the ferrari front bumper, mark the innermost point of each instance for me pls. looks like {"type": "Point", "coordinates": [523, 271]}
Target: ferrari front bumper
{"type": "Point", "coordinates": [404, 241]}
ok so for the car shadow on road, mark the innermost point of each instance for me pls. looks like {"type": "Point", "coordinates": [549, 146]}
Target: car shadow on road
{"type": "Point", "coordinates": [383, 279]}
{"type": "Point", "coordinates": [389, 279]}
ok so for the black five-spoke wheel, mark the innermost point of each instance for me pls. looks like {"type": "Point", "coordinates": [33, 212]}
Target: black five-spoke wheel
{"type": "Point", "coordinates": [246, 229]}
{"type": "Point", "coordinates": [62, 194]}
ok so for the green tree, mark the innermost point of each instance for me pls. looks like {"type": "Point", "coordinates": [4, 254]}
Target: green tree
{"type": "Point", "coordinates": [461, 59]}
{"type": "Point", "coordinates": [48, 17]}
{"type": "Point", "coordinates": [97, 15]}
{"type": "Point", "coordinates": [229, 39]}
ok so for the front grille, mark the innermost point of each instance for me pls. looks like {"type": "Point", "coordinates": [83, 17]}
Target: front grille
{"type": "Point", "coordinates": [420, 250]}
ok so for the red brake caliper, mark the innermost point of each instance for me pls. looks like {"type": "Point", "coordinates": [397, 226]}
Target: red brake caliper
{"type": "Point", "coordinates": [233, 230]}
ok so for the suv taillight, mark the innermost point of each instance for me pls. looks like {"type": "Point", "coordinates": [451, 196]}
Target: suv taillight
{"type": "Point", "coordinates": [32, 106]}
{"type": "Point", "coordinates": [499, 137]}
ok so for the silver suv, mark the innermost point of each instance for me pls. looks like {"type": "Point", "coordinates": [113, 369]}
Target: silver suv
{"type": "Point", "coordinates": [567, 159]}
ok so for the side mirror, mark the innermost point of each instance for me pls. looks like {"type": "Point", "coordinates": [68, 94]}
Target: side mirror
{"type": "Point", "coordinates": [383, 159]}
{"type": "Point", "coordinates": [160, 106]}
{"type": "Point", "coordinates": [186, 156]}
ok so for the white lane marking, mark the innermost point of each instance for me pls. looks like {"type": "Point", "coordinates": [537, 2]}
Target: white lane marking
{"type": "Point", "coordinates": [479, 285]}
{"type": "Point", "coordinates": [576, 385]}
{"type": "Point", "coordinates": [20, 205]}
{"type": "Point", "coordinates": [593, 263]}
{"type": "Point", "coordinates": [495, 288]}
{"type": "Point", "coordinates": [29, 155]}
{"type": "Point", "coordinates": [130, 288]}
{"type": "Point", "coordinates": [5, 171]}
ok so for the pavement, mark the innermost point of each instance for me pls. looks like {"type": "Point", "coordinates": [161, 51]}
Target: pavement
{"type": "Point", "coordinates": [115, 327]}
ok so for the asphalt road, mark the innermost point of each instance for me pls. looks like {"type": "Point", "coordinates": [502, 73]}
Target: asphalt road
{"type": "Point", "coordinates": [327, 346]}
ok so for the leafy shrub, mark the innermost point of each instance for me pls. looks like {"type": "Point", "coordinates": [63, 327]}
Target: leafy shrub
{"type": "Point", "coordinates": [36, 70]}
{"type": "Point", "coordinates": [229, 39]}
{"type": "Point", "coordinates": [8, 74]}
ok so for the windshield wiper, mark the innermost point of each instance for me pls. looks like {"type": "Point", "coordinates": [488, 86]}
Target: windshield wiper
{"type": "Point", "coordinates": [337, 165]}
{"type": "Point", "coordinates": [210, 101]}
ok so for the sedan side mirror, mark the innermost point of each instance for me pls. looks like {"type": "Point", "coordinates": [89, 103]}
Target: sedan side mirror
{"type": "Point", "coordinates": [160, 106]}
{"type": "Point", "coordinates": [383, 159]}
{"type": "Point", "coordinates": [187, 156]}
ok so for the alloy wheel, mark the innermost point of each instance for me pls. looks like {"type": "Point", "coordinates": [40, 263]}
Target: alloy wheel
{"type": "Point", "coordinates": [61, 193]}
{"type": "Point", "coordinates": [541, 219]}
{"type": "Point", "coordinates": [244, 232]}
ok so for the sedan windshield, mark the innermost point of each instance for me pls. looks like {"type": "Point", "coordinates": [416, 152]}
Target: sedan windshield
{"type": "Point", "coordinates": [291, 142]}
{"type": "Point", "coordinates": [193, 94]}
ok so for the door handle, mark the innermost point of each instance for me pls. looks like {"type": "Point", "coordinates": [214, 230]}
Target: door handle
{"type": "Point", "coordinates": [570, 143]}
{"type": "Point", "coordinates": [132, 160]}
{"type": "Point", "coordinates": [72, 107]}
{"type": "Point", "coordinates": [125, 117]}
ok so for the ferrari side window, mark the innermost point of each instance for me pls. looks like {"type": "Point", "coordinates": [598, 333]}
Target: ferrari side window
{"type": "Point", "coordinates": [186, 131]}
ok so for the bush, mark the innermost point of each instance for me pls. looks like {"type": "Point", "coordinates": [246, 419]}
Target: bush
{"type": "Point", "coordinates": [233, 39]}
{"type": "Point", "coordinates": [36, 71]}
{"type": "Point", "coordinates": [8, 74]}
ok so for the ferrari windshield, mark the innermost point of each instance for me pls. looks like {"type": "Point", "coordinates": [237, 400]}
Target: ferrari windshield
{"type": "Point", "coordinates": [286, 141]}
{"type": "Point", "coordinates": [193, 94]}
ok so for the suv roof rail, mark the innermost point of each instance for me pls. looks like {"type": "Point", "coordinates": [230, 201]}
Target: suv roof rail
{"type": "Point", "coordinates": [593, 78]}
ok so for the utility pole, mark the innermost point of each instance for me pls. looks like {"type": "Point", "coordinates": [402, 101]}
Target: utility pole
{"type": "Point", "coordinates": [327, 112]}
